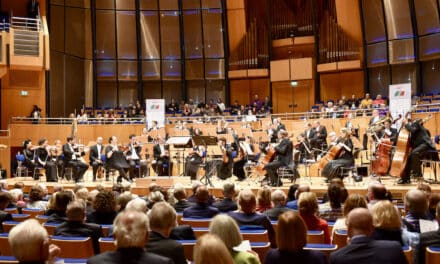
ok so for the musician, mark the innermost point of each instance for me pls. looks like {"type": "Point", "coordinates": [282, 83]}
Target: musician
{"type": "Point", "coordinates": [420, 143]}
{"type": "Point", "coordinates": [115, 160]}
{"type": "Point", "coordinates": [319, 139]}
{"type": "Point", "coordinates": [55, 153]}
{"type": "Point", "coordinates": [72, 158]}
{"type": "Point", "coordinates": [245, 152]}
{"type": "Point", "coordinates": [161, 155]}
{"type": "Point", "coordinates": [221, 128]}
{"type": "Point", "coordinates": [343, 159]}
{"type": "Point", "coordinates": [154, 126]}
{"type": "Point", "coordinates": [274, 129]}
{"type": "Point", "coordinates": [283, 157]}
{"type": "Point", "coordinates": [389, 132]}
{"type": "Point", "coordinates": [95, 157]}
{"type": "Point", "coordinates": [373, 120]}
{"type": "Point", "coordinates": [193, 161]}
{"type": "Point", "coordinates": [44, 160]}
{"type": "Point", "coordinates": [224, 168]}
{"type": "Point", "coordinates": [309, 132]}
{"type": "Point", "coordinates": [303, 148]}
{"type": "Point", "coordinates": [134, 158]}
{"type": "Point", "coordinates": [29, 155]}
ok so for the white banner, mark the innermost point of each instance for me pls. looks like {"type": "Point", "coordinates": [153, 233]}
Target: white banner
{"type": "Point", "coordinates": [155, 111]}
{"type": "Point", "coordinates": [400, 99]}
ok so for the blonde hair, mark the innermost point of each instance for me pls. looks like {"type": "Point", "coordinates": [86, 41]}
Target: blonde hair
{"type": "Point", "coordinates": [130, 229]}
{"type": "Point", "coordinates": [354, 200]}
{"type": "Point", "coordinates": [26, 240]}
{"type": "Point", "coordinates": [307, 203]}
{"type": "Point", "coordinates": [227, 230]}
{"type": "Point", "coordinates": [386, 216]}
{"type": "Point", "coordinates": [264, 197]}
{"type": "Point", "coordinates": [162, 216]}
{"type": "Point", "coordinates": [210, 249]}
{"type": "Point", "coordinates": [292, 232]}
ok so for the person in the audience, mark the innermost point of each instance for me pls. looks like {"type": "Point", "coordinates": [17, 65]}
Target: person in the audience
{"type": "Point", "coordinates": [353, 201]}
{"type": "Point", "coordinates": [278, 198]}
{"type": "Point", "coordinates": [246, 214]}
{"type": "Point", "coordinates": [194, 186]}
{"type": "Point", "coordinates": [163, 219]}
{"type": "Point", "coordinates": [428, 239]}
{"type": "Point", "coordinates": [5, 199]}
{"type": "Point", "coordinates": [291, 239]}
{"type": "Point", "coordinates": [227, 230]}
{"type": "Point", "coordinates": [180, 195]}
{"type": "Point", "coordinates": [416, 207]}
{"type": "Point", "coordinates": [228, 203]}
{"type": "Point", "coordinates": [263, 199]}
{"type": "Point", "coordinates": [387, 222]}
{"type": "Point", "coordinates": [62, 199]}
{"type": "Point", "coordinates": [75, 225]}
{"type": "Point", "coordinates": [210, 249]}
{"type": "Point", "coordinates": [36, 196]}
{"type": "Point", "coordinates": [362, 247]}
{"type": "Point", "coordinates": [434, 199]}
{"type": "Point", "coordinates": [131, 234]}
{"type": "Point", "coordinates": [308, 208]}
{"type": "Point", "coordinates": [294, 203]}
{"type": "Point", "coordinates": [201, 209]}
{"type": "Point", "coordinates": [332, 210]}
{"type": "Point", "coordinates": [376, 192]}
{"type": "Point", "coordinates": [137, 204]}
{"type": "Point", "coordinates": [104, 207]}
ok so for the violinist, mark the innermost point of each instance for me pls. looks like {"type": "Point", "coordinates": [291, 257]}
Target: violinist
{"type": "Point", "coordinates": [29, 155]}
{"type": "Point", "coordinates": [55, 153]}
{"type": "Point", "coordinates": [44, 160]}
{"type": "Point", "coordinates": [115, 159]}
{"type": "Point", "coordinates": [420, 144]}
{"type": "Point", "coordinates": [373, 120]}
{"type": "Point", "coordinates": [319, 139]}
{"type": "Point", "coordinates": [95, 157]}
{"type": "Point", "coordinates": [72, 158]}
{"type": "Point", "coordinates": [134, 158]}
{"type": "Point", "coordinates": [161, 154]}
{"type": "Point", "coordinates": [283, 158]}
{"type": "Point", "coordinates": [343, 158]}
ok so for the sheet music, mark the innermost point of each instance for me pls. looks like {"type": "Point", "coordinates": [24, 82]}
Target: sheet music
{"type": "Point", "coordinates": [427, 225]}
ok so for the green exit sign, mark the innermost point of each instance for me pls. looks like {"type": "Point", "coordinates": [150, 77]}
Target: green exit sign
{"type": "Point", "coordinates": [24, 93]}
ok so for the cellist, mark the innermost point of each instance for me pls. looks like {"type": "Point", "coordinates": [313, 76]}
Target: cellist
{"type": "Point", "coordinates": [343, 159]}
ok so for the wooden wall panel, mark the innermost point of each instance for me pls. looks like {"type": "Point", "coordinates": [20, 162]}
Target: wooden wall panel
{"type": "Point", "coordinates": [287, 98]}
{"type": "Point", "coordinates": [349, 18]}
{"type": "Point", "coordinates": [301, 69]}
{"type": "Point", "coordinates": [236, 23]}
{"type": "Point", "coordinates": [282, 97]}
{"type": "Point", "coordinates": [334, 85]}
{"type": "Point", "coordinates": [243, 90]}
{"type": "Point", "coordinates": [260, 86]}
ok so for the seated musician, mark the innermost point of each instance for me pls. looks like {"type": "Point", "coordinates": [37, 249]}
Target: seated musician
{"type": "Point", "coordinates": [304, 149]}
{"type": "Point", "coordinates": [55, 153]}
{"type": "Point", "coordinates": [343, 158]}
{"type": "Point", "coordinates": [283, 157]}
{"type": "Point", "coordinates": [420, 143]}
{"type": "Point", "coordinates": [134, 158]}
{"type": "Point", "coordinates": [29, 155]}
{"type": "Point", "coordinates": [319, 140]}
{"type": "Point", "coordinates": [72, 158]}
{"type": "Point", "coordinates": [274, 128]}
{"type": "Point", "coordinates": [161, 155]}
{"type": "Point", "coordinates": [245, 153]}
{"type": "Point", "coordinates": [115, 160]}
{"type": "Point", "coordinates": [389, 132]}
{"type": "Point", "coordinates": [373, 120]}
{"type": "Point", "coordinates": [44, 160]}
{"type": "Point", "coordinates": [193, 161]}
{"type": "Point", "coordinates": [95, 157]}
{"type": "Point", "coordinates": [223, 166]}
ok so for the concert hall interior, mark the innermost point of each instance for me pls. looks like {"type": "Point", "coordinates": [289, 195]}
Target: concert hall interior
{"type": "Point", "coordinates": [260, 93]}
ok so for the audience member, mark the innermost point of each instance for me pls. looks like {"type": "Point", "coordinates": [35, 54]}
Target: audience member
{"type": "Point", "coordinates": [434, 199]}
{"type": "Point", "coordinates": [137, 204]}
{"type": "Point", "coordinates": [278, 198]}
{"type": "Point", "coordinates": [294, 203]}
{"type": "Point", "coordinates": [376, 192]}
{"type": "Point", "coordinates": [353, 201]}
{"type": "Point", "coordinates": [428, 239]}
{"type": "Point", "coordinates": [263, 199]}
{"type": "Point", "coordinates": [36, 195]}
{"type": "Point", "coordinates": [308, 207]}
{"type": "Point", "coordinates": [201, 209]}
{"type": "Point", "coordinates": [332, 210]}
{"type": "Point", "coordinates": [62, 199]}
{"type": "Point", "coordinates": [291, 192]}
{"type": "Point", "coordinates": [180, 195]}
{"type": "Point", "coordinates": [228, 203]}
{"type": "Point", "coordinates": [104, 207]}
{"type": "Point", "coordinates": [210, 249]}
{"type": "Point", "coordinates": [5, 199]}
{"type": "Point", "coordinates": [194, 187]}
{"type": "Point", "coordinates": [416, 207]}
{"type": "Point", "coordinates": [387, 222]}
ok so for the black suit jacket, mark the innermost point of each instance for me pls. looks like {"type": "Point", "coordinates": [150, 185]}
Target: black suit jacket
{"type": "Point", "coordinates": [138, 150]}
{"type": "Point", "coordinates": [284, 151]}
{"type": "Point", "coordinates": [321, 134]}
{"type": "Point", "coordinates": [157, 152]}
{"type": "Point", "coordinates": [273, 213]}
{"type": "Point", "coordinates": [426, 240]}
{"type": "Point", "coordinates": [366, 250]}
{"type": "Point", "coordinates": [128, 256]}
{"type": "Point", "coordinates": [182, 205]}
{"type": "Point", "coordinates": [166, 247]}
{"type": "Point", "coordinates": [68, 153]}
{"type": "Point", "coordinates": [4, 216]}
{"type": "Point", "coordinates": [226, 205]}
{"type": "Point", "coordinates": [94, 155]}
{"type": "Point", "coordinates": [419, 135]}
{"type": "Point", "coordinates": [80, 229]}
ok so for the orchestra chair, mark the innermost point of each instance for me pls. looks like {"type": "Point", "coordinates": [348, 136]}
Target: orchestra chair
{"type": "Point", "coordinates": [67, 170]}
{"type": "Point", "coordinates": [350, 170]}
{"type": "Point", "coordinates": [33, 212]}
{"type": "Point", "coordinates": [5, 250]}
{"type": "Point", "coordinates": [22, 171]}
{"type": "Point", "coordinates": [327, 249]}
{"type": "Point", "coordinates": [111, 171]}
{"type": "Point", "coordinates": [407, 250]}
{"type": "Point", "coordinates": [315, 236]}
{"type": "Point", "coordinates": [290, 171]}
{"type": "Point", "coordinates": [432, 255]}
{"type": "Point", "coordinates": [42, 218]}
{"type": "Point", "coordinates": [340, 238]}
{"type": "Point", "coordinates": [256, 235]}
{"type": "Point", "coordinates": [8, 225]}
{"type": "Point", "coordinates": [107, 244]}
{"type": "Point", "coordinates": [50, 228]}
{"type": "Point", "coordinates": [8, 259]}
{"type": "Point", "coordinates": [105, 229]}
{"type": "Point", "coordinates": [20, 217]}
{"type": "Point", "coordinates": [196, 222]}
{"type": "Point", "coordinates": [73, 247]}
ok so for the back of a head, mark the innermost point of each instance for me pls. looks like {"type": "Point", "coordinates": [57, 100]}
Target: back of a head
{"type": "Point", "coordinates": [82, 193]}
{"type": "Point", "coordinates": [278, 198]}
{"type": "Point", "coordinates": [195, 185]}
{"type": "Point", "coordinates": [378, 191]}
{"type": "Point", "coordinates": [292, 232]}
{"type": "Point", "coordinates": [307, 203]}
{"type": "Point", "coordinates": [353, 201]}
{"type": "Point", "coordinates": [29, 241]}
{"type": "Point", "coordinates": [263, 197]}
{"type": "Point", "coordinates": [75, 211]}
{"type": "Point", "coordinates": [202, 194]}
{"type": "Point", "coordinates": [228, 189]}
{"type": "Point", "coordinates": [437, 211]}
{"type": "Point", "coordinates": [104, 201]}
{"type": "Point", "coordinates": [386, 216]}
{"type": "Point", "coordinates": [226, 229]}
{"type": "Point", "coordinates": [179, 192]}
{"type": "Point", "coordinates": [292, 191]}
{"type": "Point", "coordinates": [137, 204]}
{"type": "Point", "coordinates": [416, 202]}
{"type": "Point", "coordinates": [210, 249]}
{"type": "Point", "coordinates": [130, 229]}
{"type": "Point", "coordinates": [36, 193]}
{"type": "Point", "coordinates": [301, 189]}
{"type": "Point", "coordinates": [337, 195]}
{"type": "Point", "coordinates": [123, 199]}
{"type": "Point", "coordinates": [5, 199]}
{"type": "Point", "coordinates": [247, 201]}
{"type": "Point", "coordinates": [359, 222]}
{"type": "Point", "coordinates": [62, 199]}
{"type": "Point", "coordinates": [162, 216]}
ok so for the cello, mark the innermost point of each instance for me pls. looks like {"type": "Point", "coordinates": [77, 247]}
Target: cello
{"type": "Point", "coordinates": [331, 154]}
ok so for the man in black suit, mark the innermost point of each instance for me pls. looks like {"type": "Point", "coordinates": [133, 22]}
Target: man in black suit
{"type": "Point", "coordinates": [131, 233]}
{"type": "Point", "coordinates": [319, 139]}
{"type": "Point", "coordinates": [201, 209]}
{"type": "Point", "coordinates": [116, 159]}
{"type": "Point", "coordinates": [162, 220]}
{"type": "Point", "coordinates": [283, 158]}
{"type": "Point", "coordinates": [5, 199]}
{"type": "Point", "coordinates": [428, 239]}
{"type": "Point", "coordinates": [389, 132]}
{"type": "Point", "coordinates": [363, 248]}
{"type": "Point", "coordinates": [134, 158]}
{"type": "Point", "coordinates": [75, 225]}
{"type": "Point", "coordinates": [95, 157]}
{"type": "Point", "coordinates": [227, 204]}
{"type": "Point", "coordinates": [278, 198]}
{"type": "Point", "coordinates": [180, 195]}
{"type": "Point", "coordinates": [161, 155]}
{"type": "Point", "coordinates": [72, 159]}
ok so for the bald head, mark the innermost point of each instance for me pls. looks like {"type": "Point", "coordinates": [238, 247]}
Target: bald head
{"type": "Point", "coordinates": [247, 201]}
{"type": "Point", "coordinates": [359, 222]}
{"type": "Point", "coordinates": [416, 202]}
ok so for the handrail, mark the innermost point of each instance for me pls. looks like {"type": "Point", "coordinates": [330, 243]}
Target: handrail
{"type": "Point", "coordinates": [4, 133]}
{"type": "Point", "coordinates": [26, 23]}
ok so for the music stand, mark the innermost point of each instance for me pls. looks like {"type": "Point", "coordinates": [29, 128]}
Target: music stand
{"type": "Point", "coordinates": [180, 142]}
{"type": "Point", "coordinates": [205, 141]}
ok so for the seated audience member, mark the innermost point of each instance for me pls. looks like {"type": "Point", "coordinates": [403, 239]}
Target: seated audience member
{"type": "Point", "coordinates": [263, 199]}
{"type": "Point", "coordinates": [434, 199]}
{"type": "Point", "coordinates": [75, 225]}
{"type": "Point", "coordinates": [5, 199]}
{"type": "Point", "coordinates": [16, 199]}
{"type": "Point", "coordinates": [362, 247]}
{"type": "Point", "coordinates": [155, 197]}
{"type": "Point", "coordinates": [332, 210]}
{"type": "Point", "coordinates": [62, 199]}
{"type": "Point", "coordinates": [131, 234]}
{"type": "Point", "coordinates": [291, 239]}
{"type": "Point", "coordinates": [227, 230]}
{"type": "Point", "coordinates": [123, 200]}
{"type": "Point", "coordinates": [194, 187]}
{"type": "Point", "coordinates": [291, 192]}
{"type": "Point", "coordinates": [210, 249]}
{"type": "Point", "coordinates": [163, 219]}
{"type": "Point", "coordinates": [416, 207]}
{"type": "Point", "coordinates": [180, 195]}
{"type": "Point", "coordinates": [428, 239]}
{"type": "Point", "coordinates": [278, 198]}
{"type": "Point", "coordinates": [228, 203]}
{"type": "Point", "coordinates": [201, 209]}
{"type": "Point", "coordinates": [247, 215]}
{"type": "Point", "coordinates": [36, 196]}
{"type": "Point", "coordinates": [353, 201]}
{"type": "Point", "coordinates": [137, 204]}
{"type": "Point", "coordinates": [104, 207]}
{"type": "Point", "coordinates": [308, 208]}
{"type": "Point", "coordinates": [387, 222]}
{"type": "Point", "coordinates": [376, 192]}
{"type": "Point", "coordinates": [294, 203]}
{"type": "Point", "coordinates": [29, 243]}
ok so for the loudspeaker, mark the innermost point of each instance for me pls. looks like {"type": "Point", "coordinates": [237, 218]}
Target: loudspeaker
{"type": "Point", "coordinates": [362, 171]}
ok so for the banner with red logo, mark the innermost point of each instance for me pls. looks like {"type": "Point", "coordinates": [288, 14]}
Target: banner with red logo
{"type": "Point", "coordinates": [400, 99]}
{"type": "Point", "coordinates": [155, 111]}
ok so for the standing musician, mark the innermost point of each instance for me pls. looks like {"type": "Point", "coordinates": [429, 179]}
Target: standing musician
{"type": "Point", "coordinates": [72, 158]}
{"type": "Point", "coordinates": [115, 160]}
{"type": "Point", "coordinates": [389, 132]}
{"type": "Point", "coordinates": [55, 153]}
{"type": "Point", "coordinates": [95, 157]}
{"type": "Point", "coordinates": [29, 155]}
{"type": "Point", "coordinates": [343, 159]}
{"type": "Point", "coordinates": [283, 157]}
{"type": "Point", "coordinates": [319, 140]}
{"type": "Point", "coordinates": [245, 152]}
{"type": "Point", "coordinates": [44, 160]}
{"type": "Point", "coordinates": [420, 143]}
{"type": "Point", "coordinates": [373, 120]}
{"type": "Point", "coordinates": [193, 161]}
{"type": "Point", "coordinates": [309, 132]}
{"type": "Point", "coordinates": [161, 154]}
{"type": "Point", "coordinates": [224, 168]}
{"type": "Point", "coordinates": [134, 158]}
